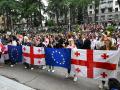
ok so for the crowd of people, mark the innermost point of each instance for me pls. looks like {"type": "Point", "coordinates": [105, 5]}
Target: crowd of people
{"type": "Point", "coordinates": [92, 27]}
{"type": "Point", "coordinates": [95, 40]}
{"type": "Point", "coordinates": [89, 40]}
{"type": "Point", "coordinates": [84, 40]}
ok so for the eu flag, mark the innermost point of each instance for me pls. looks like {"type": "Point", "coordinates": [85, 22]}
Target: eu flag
{"type": "Point", "coordinates": [58, 57]}
{"type": "Point", "coordinates": [15, 53]}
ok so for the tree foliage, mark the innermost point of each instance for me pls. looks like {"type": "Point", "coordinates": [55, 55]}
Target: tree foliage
{"type": "Point", "coordinates": [30, 10]}
{"type": "Point", "coordinates": [60, 8]}
{"type": "Point", "coordinates": [16, 10]}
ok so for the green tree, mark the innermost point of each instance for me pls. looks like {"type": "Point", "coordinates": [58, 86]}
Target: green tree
{"type": "Point", "coordinates": [16, 10]}
{"type": "Point", "coordinates": [8, 8]}
{"type": "Point", "coordinates": [61, 8]}
{"type": "Point", "coordinates": [31, 10]}
{"type": "Point", "coordinates": [54, 8]}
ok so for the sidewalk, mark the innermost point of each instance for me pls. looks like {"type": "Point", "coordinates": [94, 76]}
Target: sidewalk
{"type": "Point", "coordinates": [7, 84]}
{"type": "Point", "coordinates": [43, 80]}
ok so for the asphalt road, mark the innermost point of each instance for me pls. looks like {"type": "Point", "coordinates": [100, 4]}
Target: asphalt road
{"type": "Point", "coordinates": [44, 80]}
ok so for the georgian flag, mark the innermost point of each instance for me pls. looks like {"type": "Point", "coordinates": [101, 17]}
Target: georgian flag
{"type": "Point", "coordinates": [33, 55]}
{"type": "Point", "coordinates": [97, 64]}
{"type": "Point", "coordinates": [5, 54]}
{"type": "Point", "coordinates": [1, 47]}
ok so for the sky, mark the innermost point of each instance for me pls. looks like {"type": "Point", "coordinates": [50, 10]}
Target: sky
{"type": "Point", "coordinates": [45, 2]}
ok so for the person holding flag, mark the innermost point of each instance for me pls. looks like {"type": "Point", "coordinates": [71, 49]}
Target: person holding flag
{"type": "Point", "coordinates": [107, 46]}
{"type": "Point", "coordinates": [71, 46]}
{"type": "Point", "coordinates": [1, 51]}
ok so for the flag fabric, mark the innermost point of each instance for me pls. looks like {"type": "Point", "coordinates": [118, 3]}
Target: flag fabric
{"type": "Point", "coordinates": [1, 51]}
{"type": "Point", "coordinates": [15, 53]}
{"type": "Point", "coordinates": [5, 49]}
{"type": "Point", "coordinates": [33, 55]}
{"type": "Point", "coordinates": [5, 55]}
{"type": "Point", "coordinates": [58, 57]}
{"type": "Point", "coordinates": [1, 47]}
{"type": "Point", "coordinates": [96, 64]}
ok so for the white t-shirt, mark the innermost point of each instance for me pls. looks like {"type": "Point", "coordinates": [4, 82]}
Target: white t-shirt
{"type": "Point", "coordinates": [99, 44]}
{"type": "Point", "coordinates": [113, 41]}
{"type": "Point", "coordinates": [93, 43]}
{"type": "Point", "coordinates": [14, 43]}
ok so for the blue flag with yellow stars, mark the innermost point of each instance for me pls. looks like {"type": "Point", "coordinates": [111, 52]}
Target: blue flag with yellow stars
{"type": "Point", "coordinates": [15, 53]}
{"type": "Point", "coordinates": [58, 57]}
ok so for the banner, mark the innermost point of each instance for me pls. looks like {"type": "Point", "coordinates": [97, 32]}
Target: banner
{"type": "Point", "coordinates": [33, 55]}
{"type": "Point", "coordinates": [58, 57]}
{"type": "Point", "coordinates": [15, 53]}
{"type": "Point", "coordinates": [94, 63]}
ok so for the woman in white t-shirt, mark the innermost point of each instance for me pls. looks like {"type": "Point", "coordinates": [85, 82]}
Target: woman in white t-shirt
{"type": "Point", "coordinates": [71, 46]}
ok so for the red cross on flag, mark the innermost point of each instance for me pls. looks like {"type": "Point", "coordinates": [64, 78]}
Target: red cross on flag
{"type": "Point", "coordinates": [94, 63]}
{"type": "Point", "coordinates": [4, 55]}
{"type": "Point", "coordinates": [34, 55]}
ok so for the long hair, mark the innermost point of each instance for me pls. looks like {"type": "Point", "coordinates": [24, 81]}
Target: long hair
{"type": "Point", "coordinates": [113, 83]}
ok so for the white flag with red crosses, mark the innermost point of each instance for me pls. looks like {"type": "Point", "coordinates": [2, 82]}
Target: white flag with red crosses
{"type": "Point", "coordinates": [4, 55]}
{"type": "Point", "coordinates": [96, 64]}
{"type": "Point", "coordinates": [33, 55]}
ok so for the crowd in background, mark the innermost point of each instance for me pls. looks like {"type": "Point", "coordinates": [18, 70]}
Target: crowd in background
{"type": "Point", "coordinates": [89, 40]}
{"type": "Point", "coordinates": [92, 27]}
{"type": "Point", "coordinates": [95, 40]}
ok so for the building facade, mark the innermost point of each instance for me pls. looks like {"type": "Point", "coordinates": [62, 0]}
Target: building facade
{"type": "Point", "coordinates": [107, 11]}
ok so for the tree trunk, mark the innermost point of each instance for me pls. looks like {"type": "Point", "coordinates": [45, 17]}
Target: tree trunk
{"type": "Point", "coordinates": [27, 22]}
{"type": "Point", "coordinates": [85, 15]}
{"type": "Point", "coordinates": [57, 18]}
{"type": "Point", "coordinates": [40, 15]}
{"type": "Point", "coordinates": [31, 21]}
{"type": "Point", "coordinates": [65, 17]}
{"type": "Point", "coordinates": [40, 18]}
{"type": "Point", "coordinates": [74, 15]}
{"type": "Point", "coordinates": [7, 23]}
{"type": "Point", "coordinates": [80, 15]}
